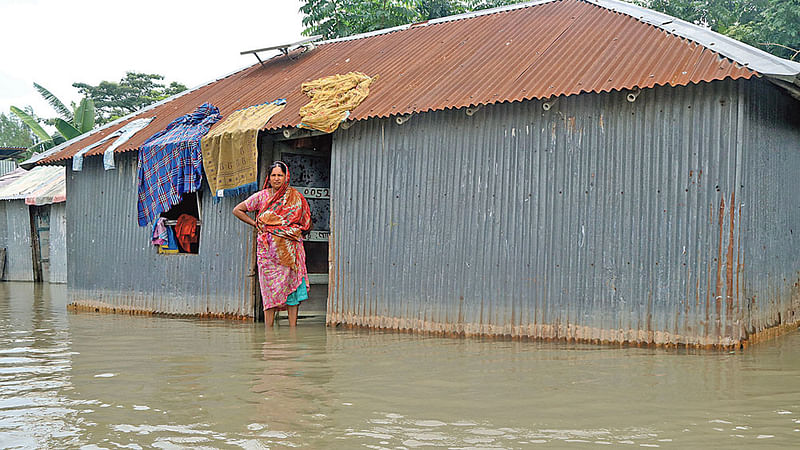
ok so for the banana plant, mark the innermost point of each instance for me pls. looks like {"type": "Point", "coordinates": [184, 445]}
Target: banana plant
{"type": "Point", "coordinates": [82, 120]}
{"type": "Point", "coordinates": [70, 125]}
{"type": "Point", "coordinates": [64, 112]}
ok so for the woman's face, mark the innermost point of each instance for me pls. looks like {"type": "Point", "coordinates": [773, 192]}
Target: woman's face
{"type": "Point", "coordinates": [277, 178]}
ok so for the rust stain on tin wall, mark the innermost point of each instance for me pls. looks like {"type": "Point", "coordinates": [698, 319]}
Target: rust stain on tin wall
{"type": "Point", "coordinates": [729, 270]}
{"type": "Point", "coordinates": [724, 271]}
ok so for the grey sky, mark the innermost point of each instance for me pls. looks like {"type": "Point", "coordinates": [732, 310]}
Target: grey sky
{"type": "Point", "coordinates": [58, 42]}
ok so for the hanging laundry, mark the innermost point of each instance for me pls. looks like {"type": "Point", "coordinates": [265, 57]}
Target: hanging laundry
{"type": "Point", "coordinates": [126, 133]}
{"type": "Point", "coordinates": [170, 163]}
{"type": "Point", "coordinates": [160, 232]}
{"type": "Point", "coordinates": [122, 134]}
{"type": "Point", "coordinates": [230, 151]}
{"type": "Point", "coordinates": [186, 231]}
{"type": "Point", "coordinates": [171, 246]}
{"type": "Point", "coordinates": [332, 100]}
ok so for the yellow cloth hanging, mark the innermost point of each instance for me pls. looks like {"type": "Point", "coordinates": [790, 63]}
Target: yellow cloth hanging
{"type": "Point", "coordinates": [230, 152]}
{"type": "Point", "coordinates": [332, 99]}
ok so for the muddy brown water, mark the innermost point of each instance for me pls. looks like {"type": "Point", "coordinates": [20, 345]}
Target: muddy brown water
{"type": "Point", "coordinates": [112, 381]}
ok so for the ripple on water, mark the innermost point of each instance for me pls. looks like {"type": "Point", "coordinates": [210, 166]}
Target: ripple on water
{"type": "Point", "coordinates": [19, 360]}
{"type": "Point", "coordinates": [429, 423]}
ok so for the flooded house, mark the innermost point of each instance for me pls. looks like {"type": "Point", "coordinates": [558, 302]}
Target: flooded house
{"type": "Point", "coordinates": [33, 244]}
{"type": "Point", "coordinates": [570, 169]}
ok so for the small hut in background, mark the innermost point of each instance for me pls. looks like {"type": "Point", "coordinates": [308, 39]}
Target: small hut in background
{"type": "Point", "coordinates": [33, 218]}
{"type": "Point", "coordinates": [571, 169]}
{"type": "Point", "coordinates": [8, 156]}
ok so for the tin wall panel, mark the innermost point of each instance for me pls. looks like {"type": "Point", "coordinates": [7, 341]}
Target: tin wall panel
{"type": "Point", "coordinates": [112, 263]}
{"type": "Point", "coordinates": [3, 226]}
{"type": "Point", "coordinates": [58, 243]}
{"type": "Point", "coordinates": [19, 262]}
{"type": "Point", "coordinates": [598, 220]}
{"type": "Point", "coordinates": [6, 167]}
{"type": "Point", "coordinates": [769, 286]}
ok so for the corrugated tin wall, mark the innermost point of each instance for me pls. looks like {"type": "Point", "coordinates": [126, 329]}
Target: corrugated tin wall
{"type": "Point", "coordinates": [113, 265]}
{"type": "Point", "coordinates": [770, 208]}
{"type": "Point", "coordinates": [19, 262]}
{"type": "Point", "coordinates": [599, 219]}
{"type": "Point", "coordinates": [58, 243]}
{"type": "Point", "coordinates": [7, 166]}
{"type": "Point", "coordinates": [3, 236]}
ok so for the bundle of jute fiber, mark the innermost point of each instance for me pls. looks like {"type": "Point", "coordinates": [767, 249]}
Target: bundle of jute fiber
{"type": "Point", "coordinates": [332, 99]}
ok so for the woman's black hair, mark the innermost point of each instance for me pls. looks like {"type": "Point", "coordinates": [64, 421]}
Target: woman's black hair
{"type": "Point", "coordinates": [281, 164]}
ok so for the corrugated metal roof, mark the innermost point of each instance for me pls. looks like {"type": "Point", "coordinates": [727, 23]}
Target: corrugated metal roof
{"type": "Point", "coordinates": [38, 186]}
{"type": "Point", "coordinates": [537, 50]}
{"type": "Point", "coordinates": [11, 152]}
{"type": "Point", "coordinates": [10, 176]}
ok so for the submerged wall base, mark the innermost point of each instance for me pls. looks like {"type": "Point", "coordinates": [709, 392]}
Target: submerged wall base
{"type": "Point", "coordinates": [563, 333]}
{"type": "Point", "coordinates": [100, 307]}
{"type": "Point", "coordinates": [771, 333]}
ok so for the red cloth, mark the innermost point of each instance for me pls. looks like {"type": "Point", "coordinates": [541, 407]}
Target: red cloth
{"type": "Point", "coordinates": [186, 231]}
{"type": "Point", "coordinates": [288, 207]}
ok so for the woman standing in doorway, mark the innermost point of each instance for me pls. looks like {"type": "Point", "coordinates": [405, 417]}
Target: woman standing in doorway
{"type": "Point", "coordinates": [283, 215]}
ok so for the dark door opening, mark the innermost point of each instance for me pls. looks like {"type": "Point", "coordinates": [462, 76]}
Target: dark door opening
{"type": "Point", "coordinates": [40, 242]}
{"type": "Point", "coordinates": [309, 162]}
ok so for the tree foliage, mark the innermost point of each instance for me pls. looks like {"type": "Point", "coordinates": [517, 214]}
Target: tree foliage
{"type": "Point", "coordinates": [133, 92]}
{"type": "Point", "coordinates": [340, 18]}
{"type": "Point", "coordinates": [771, 25]}
{"type": "Point", "coordinates": [70, 123]}
{"type": "Point", "coordinates": [14, 133]}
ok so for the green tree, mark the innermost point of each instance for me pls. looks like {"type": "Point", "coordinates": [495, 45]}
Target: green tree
{"type": "Point", "coordinates": [14, 133]}
{"type": "Point", "coordinates": [780, 31]}
{"type": "Point", "coordinates": [133, 92]}
{"type": "Point", "coordinates": [772, 25]}
{"type": "Point", "coordinates": [71, 123]}
{"type": "Point", "coordinates": [340, 18]}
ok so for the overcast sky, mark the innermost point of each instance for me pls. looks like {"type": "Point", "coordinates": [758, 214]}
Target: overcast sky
{"type": "Point", "coordinates": [58, 42]}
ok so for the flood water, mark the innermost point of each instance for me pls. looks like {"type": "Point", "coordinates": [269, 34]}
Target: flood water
{"type": "Point", "coordinates": [112, 381]}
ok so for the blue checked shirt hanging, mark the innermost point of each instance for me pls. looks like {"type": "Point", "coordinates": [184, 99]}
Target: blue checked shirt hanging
{"type": "Point", "coordinates": [170, 162]}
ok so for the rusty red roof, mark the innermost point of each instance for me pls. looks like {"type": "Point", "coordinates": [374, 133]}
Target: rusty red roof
{"type": "Point", "coordinates": [532, 51]}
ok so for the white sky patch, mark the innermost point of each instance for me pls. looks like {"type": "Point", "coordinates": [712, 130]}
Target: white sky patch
{"type": "Point", "coordinates": [56, 43]}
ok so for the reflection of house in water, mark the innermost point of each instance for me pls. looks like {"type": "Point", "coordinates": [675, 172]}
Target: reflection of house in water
{"type": "Point", "coordinates": [585, 170]}
{"type": "Point", "coordinates": [33, 225]}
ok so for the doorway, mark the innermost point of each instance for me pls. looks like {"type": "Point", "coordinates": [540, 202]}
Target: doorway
{"type": "Point", "coordinates": [40, 242]}
{"type": "Point", "coordinates": [309, 162]}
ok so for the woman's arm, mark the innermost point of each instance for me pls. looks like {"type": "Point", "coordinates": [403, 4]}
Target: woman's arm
{"type": "Point", "coordinates": [240, 211]}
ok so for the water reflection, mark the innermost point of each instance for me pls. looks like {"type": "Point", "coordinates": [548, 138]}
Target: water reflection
{"type": "Point", "coordinates": [35, 360]}
{"type": "Point", "coordinates": [72, 380]}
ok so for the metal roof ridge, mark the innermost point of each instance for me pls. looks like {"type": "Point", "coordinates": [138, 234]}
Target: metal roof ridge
{"type": "Point", "coordinates": [751, 57]}
{"type": "Point", "coordinates": [30, 162]}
